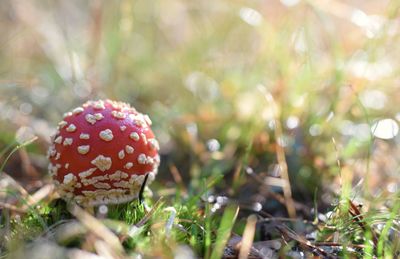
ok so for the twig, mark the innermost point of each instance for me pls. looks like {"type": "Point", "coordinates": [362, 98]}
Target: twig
{"type": "Point", "coordinates": [289, 234]}
{"type": "Point", "coordinates": [357, 216]}
{"type": "Point", "coordinates": [338, 244]}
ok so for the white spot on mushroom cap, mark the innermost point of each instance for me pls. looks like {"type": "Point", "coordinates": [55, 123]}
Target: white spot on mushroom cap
{"type": "Point", "coordinates": [142, 159]}
{"type": "Point", "coordinates": [68, 178]}
{"type": "Point", "coordinates": [129, 149]}
{"type": "Point", "coordinates": [138, 119]}
{"type": "Point", "coordinates": [149, 160]}
{"type": "Point", "coordinates": [128, 165]}
{"type": "Point", "coordinates": [67, 114]}
{"type": "Point", "coordinates": [84, 136]}
{"type": "Point", "coordinates": [51, 151]}
{"type": "Point", "coordinates": [106, 135]}
{"type": "Point", "coordinates": [67, 141]}
{"type": "Point", "coordinates": [121, 154]}
{"type": "Point", "coordinates": [62, 124]}
{"type": "Point", "coordinates": [122, 184]}
{"type": "Point", "coordinates": [93, 180]}
{"type": "Point", "coordinates": [87, 173]}
{"type": "Point", "coordinates": [101, 185]}
{"type": "Point", "coordinates": [99, 105]}
{"type": "Point", "coordinates": [58, 140]}
{"type": "Point", "coordinates": [111, 196]}
{"type": "Point", "coordinates": [147, 119]}
{"type": "Point", "coordinates": [123, 128]}
{"type": "Point", "coordinates": [90, 118]}
{"type": "Point", "coordinates": [71, 128]}
{"type": "Point", "coordinates": [124, 175]}
{"type": "Point", "coordinates": [98, 116]}
{"type": "Point", "coordinates": [136, 179]}
{"type": "Point", "coordinates": [78, 110]}
{"type": "Point", "coordinates": [102, 162]}
{"type": "Point", "coordinates": [53, 169]}
{"type": "Point", "coordinates": [144, 138]}
{"type": "Point", "coordinates": [57, 156]}
{"type": "Point", "coordinates": [118, 105]}
{"type": "Point", "coordinates": [134, 136]}
{"type": "Point", "coordinates": [52, 137]}
{"type": "Point", "coordinates": [154, 144]}
{"type": "Point", "coordinates": [100, 178]}
{"type": "Point", "coordinates": [119, 194]}
{"type": "Point", "coordinates": [83, 149]}
{"type": "Point", "coordinates": [117, 175]}
{"type": "Point", "coordinates": [118, 115]}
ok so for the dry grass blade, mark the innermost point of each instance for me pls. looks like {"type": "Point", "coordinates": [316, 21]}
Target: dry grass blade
{"type": "Point", "coordinates": [15, 184]}
{"type": "Point", "coordinates": [66, 231]}
{"type": "Point", "coordinates": [248, 237]}
{"type": "Point", "coordinates": [337, 244]}
{"type": "Point", "coordinates": [9, 179]}
{"type": "Point", "coordinates": [150, 213]}
{"type": "Point", "coordinates": [280, 154]}
{"type": "Point", "coordinates": [27, 163]}
{"type": "Point", "coordinates": [78, 253]}
{"type": "Point", "coordinates": [29, 141]}
{"type": "Point", "coordinates": [40, 194]}
{"type": "Point", "coordinates": [12, 207]}
{"type": "Point", "coordinates": [30, 200]}
{"type": "Point", "coordinates": [97, 228]}
{"type": "Point", "coordinates": [177, 177]}
{"type": "Point", "coordinates": [103, 249]}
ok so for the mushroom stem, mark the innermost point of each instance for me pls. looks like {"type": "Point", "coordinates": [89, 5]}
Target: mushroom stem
{"type": "Point", "coordinates": [141, 198]}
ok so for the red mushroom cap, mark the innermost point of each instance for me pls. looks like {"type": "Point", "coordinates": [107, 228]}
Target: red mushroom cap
{"type": "Point", "coordinates": [102, 152]}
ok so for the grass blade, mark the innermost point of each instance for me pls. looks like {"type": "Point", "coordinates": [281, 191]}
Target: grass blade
{"type": "Point", "coordinates": [15, 149]}
{"type": "Point", "coordinates": [224, 231]}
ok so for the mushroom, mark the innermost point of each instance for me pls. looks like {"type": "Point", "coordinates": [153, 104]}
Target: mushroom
{"type": "Point", "coordinates": [102, 153]}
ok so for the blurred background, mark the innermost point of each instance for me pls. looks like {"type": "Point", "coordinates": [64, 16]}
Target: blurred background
{"type": "Point", "coordinates": [228, 84]}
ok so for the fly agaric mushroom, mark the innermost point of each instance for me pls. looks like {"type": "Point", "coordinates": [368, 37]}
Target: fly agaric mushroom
{"type": "Point", "coordinates": [102, 153]}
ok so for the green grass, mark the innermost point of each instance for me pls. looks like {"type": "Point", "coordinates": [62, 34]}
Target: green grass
{"type": "Point", "coordinates": [140, 230]}
{"type": "Point", "coordinates": [197, 69]}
